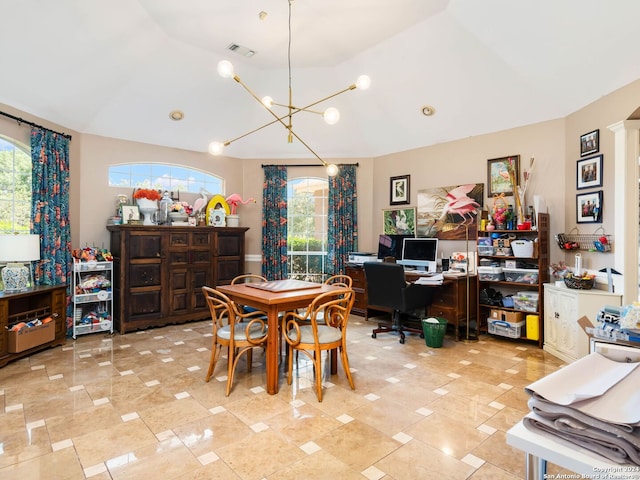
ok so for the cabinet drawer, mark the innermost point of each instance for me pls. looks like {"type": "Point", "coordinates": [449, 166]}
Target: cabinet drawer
{"type": "Point", "coordinates": [444, 312]}
{"type": "Point", "coordinates": [144, 275]}
{"type": "Point", "coordinates": [144, 303]}
{"type": "Point", "coordinates": [178, 239]}
{"type": "Point", "coordinates": [144, 246]}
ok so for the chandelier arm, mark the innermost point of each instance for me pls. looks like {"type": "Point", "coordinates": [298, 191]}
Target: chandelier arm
{"type": "Point", "coordinates": [278, 119]}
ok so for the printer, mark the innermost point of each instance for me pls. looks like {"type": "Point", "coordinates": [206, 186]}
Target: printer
{"type": "Point", "coordinates": [358, 258]}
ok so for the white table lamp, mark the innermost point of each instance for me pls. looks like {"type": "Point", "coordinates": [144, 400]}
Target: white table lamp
{"type": "Point", "coordinates": [15, 249]}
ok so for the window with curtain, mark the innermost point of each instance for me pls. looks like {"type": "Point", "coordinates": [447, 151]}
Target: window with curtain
{"type": "Point", "coordinates": [15, 186]}
{"type": "Point", "coordinates": [307, 207]}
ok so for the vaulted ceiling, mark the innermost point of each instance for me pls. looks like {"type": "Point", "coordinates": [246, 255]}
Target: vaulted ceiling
{"type": "Point", "coordinates": [117, 68]}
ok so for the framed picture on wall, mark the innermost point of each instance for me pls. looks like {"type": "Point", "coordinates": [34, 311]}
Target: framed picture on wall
{"type": "Point", "coordinates": [399, 193]}
{"type": "Point", "coordinates": [589, 207]}
{"type": "Point", "coordinates": [589, 172]}
{"type": "Point", "coordinates": [399, 221]}
{"type": "Point", "coordinates": [589, 143]}
{"type": "Point", "coordinates": [498, 177]}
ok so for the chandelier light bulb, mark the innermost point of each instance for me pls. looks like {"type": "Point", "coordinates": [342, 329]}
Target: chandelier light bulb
{"type": "Point", "coordinates": [363, 82]}
{"type": "Point", "coordinates": [216, 148]}
{"type": "Point", "coordinates": [225, 69]}
{"type": "Point", "coordinates": [332, 170]}
{"type": "Point", "coordinates": [267, 101]}
{"type": "Point", "coordinates": [331, 115]}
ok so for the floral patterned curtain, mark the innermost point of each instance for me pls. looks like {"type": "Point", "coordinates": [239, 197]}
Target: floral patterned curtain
{"type": "Point", "coordinates": [274, 222]}
{"type": "Point", "coordinates": [343, 218]}
{"type": "Point", "coordinates": [50, 206]}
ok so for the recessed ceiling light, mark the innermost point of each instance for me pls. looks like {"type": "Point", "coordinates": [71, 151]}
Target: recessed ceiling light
{"type": "Point", "coordinates": [428, 110]}
{"type": "Point", "coordinates": [176, 115]}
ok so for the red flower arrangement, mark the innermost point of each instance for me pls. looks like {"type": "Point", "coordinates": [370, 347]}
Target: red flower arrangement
{"type": "Point", "coordinates": [147, 193]}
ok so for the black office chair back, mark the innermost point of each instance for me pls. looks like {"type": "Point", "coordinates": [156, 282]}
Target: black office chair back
{"type": "Point", "coordinates": [385, 284]}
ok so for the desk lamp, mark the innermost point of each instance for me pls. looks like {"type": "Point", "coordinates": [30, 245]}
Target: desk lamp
{"type": "Point", "coordinates": [15, 249]}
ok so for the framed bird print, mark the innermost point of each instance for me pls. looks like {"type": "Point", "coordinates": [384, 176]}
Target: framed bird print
{"type": "Point", "coordinates": [499, 174]}
{"type": "Point", "coordinates": [399, 190]}
{"type": "Point", "coordinates": [399, 221]}
{"type": "Point", "coordinates": [449, 213]}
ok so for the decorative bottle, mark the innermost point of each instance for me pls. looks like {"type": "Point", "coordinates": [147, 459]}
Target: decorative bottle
{"type": "Point", "coordinates": [165, 208]}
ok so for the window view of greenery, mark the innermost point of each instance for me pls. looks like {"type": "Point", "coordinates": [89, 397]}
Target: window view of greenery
{"type": "Point", "coordinates": [15, 187]}
{"type": "Point", "coordinates": [158, 176]}
{"type": "Point", "coordinates": [307, 205]}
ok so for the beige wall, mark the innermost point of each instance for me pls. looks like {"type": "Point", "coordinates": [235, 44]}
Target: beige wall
{"type": "Point", "coordinates": [554, 144]}
{"type": "Point", "coordinates": [465, 161]}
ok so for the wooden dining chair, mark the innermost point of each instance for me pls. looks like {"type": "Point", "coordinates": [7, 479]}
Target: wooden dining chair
{"type": "Point", "coordinates": [237, 331]}
{"type": "Point", "coordinates": [304, 333]}
{"type": "Point", "coordinates": [341, 280]}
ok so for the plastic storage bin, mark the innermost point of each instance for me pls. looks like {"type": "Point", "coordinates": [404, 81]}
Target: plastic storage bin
{"type": "Point", "coordinates": [505, 329]}
{"type": "Point", "coordinates": [522, 248]}
{"type": "Point", "coordinates": [521, 275]}
{"type": "Point", "coordinates": [485, 250]}
{"type": "Point", "coordinates": [490, 274]}
{"type": "Point", "coordinates": [527, 301]}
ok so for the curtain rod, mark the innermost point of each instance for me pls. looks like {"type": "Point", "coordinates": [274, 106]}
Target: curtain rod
{"type": "Point", "coordinates": [306, 165]}
{"type": "Point", "coordinates": [22, 120]}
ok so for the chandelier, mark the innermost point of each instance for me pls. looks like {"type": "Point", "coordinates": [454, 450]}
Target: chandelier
{"type": "Point", "coordinates": [331, 115]}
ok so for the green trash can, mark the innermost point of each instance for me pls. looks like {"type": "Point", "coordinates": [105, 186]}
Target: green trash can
{"type": "Point", "coordinates": [434, 329]}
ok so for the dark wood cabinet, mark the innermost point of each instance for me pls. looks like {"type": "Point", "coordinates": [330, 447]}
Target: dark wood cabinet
{"type": "Point", "coordinates": [160, 271]}
{"type": "Point", "coordinates": [35, 303]}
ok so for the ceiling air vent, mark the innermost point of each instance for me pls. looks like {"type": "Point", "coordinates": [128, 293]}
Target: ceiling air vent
{"type": "Point", "coordinates": [240, 50]}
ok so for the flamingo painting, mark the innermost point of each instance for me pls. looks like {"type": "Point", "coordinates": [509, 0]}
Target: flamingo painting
{"type": "Point", "coordinates": [459, 203]}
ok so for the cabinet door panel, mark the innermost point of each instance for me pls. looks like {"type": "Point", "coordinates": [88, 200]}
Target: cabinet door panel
{"type": "Point", "coordinates": [179, 303]}
{"type": "Point", "coordinates": [178, 279]}
{"type": "Point", "coordinates": [227, 270]}
{"type": "Point", "coordinates": [229, 246]}
{"type": "Point", "coordinates": [143, 275]}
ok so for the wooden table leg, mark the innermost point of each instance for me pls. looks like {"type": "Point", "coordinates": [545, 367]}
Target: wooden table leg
{"type": "Point", "coordinates": [272, 350]}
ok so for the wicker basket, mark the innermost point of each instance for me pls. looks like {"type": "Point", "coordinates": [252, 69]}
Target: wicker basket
{"type": "Point", "coordinates": [579, 283]}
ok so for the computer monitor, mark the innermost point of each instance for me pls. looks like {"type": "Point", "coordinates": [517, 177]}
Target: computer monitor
{"type": "Point", "coordinates": [391, 246]}
{"type": "Point", "coordinates": [421, 253]}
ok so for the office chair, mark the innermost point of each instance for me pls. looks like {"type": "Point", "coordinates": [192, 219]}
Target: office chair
{"type": "Point", "coordinates": [388, 290]}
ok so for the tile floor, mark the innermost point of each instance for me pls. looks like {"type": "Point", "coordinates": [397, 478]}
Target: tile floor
{"type": "Point", "coordinates": [136, 406]}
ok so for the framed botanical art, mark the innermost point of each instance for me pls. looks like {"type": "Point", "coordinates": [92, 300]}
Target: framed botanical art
{"type": "Point", "coordinates": [399, 193]}
{"type": "Point", "coordinates": [399, 221]}
{"type": "Point", "coordinates": [498, 177]}
{"type": "Point", "coordinates": [589, 172]}
{"type": "Point", "coordinates": [589, 143]}
{"type": "Point", "coordinates": [589, 207]}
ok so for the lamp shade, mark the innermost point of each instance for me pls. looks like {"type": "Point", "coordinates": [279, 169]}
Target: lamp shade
{"type": "Point", "coordinates": [19, 248]}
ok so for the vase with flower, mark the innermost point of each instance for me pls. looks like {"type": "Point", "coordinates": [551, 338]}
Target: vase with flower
{"type": "Point", "coordinates": [147, 200]}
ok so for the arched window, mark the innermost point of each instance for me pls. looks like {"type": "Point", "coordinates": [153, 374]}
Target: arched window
{"type": "Point", "coordinates": [160, 176]}
{"type": "Point", "coordinates": [307, 206]}
{"type": "Point", "coordinates": [15, 186]}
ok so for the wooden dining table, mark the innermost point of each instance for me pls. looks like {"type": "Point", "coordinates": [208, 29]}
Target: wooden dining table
{"type": "Point", "coordinates": [272, 298]}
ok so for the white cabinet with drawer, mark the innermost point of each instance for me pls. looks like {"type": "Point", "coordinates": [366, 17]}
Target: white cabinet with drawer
{"type": "Point", "coordinates": [563, 337]}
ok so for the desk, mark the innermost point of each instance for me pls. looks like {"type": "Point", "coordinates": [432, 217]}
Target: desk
{"type": "Point", "coordinates": [540, 448]}
{"type": "Point", "coordinates": [449, 299]}
{"type": "Point", "coordinates": [273, 303]}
